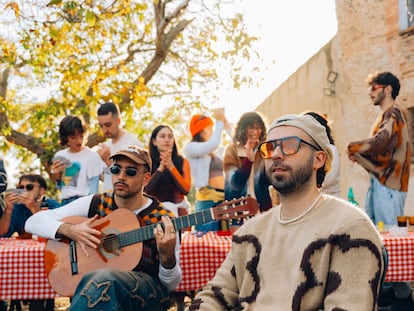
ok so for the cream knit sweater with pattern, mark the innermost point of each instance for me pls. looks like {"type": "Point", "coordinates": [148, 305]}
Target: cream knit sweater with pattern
{"type": "Point", "coordinates": [328, 260]}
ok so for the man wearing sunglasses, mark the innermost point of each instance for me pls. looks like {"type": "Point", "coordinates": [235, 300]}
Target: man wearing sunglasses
{"type": "Point", "coordinates": [28, 198]}
{"type": "Point", "coordinates": [386, 156]}
{"type": "Point", "coordinates": [311, 252]}
{"type": "Point", "coordinates": [21, 203]}
{"type": "Point", "coordinates": [157, 273]}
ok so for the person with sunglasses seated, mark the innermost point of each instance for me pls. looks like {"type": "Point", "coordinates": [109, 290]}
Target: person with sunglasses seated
{"type": "Point", "coordinates": [312, 251]}
{"type": "Point", "coordinates": [21, 203]}
{"type": "Point", "coordinates": [156, 273]}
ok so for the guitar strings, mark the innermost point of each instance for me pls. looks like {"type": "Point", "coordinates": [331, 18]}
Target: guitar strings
{"type": "Point", "coordinates": [147, 232]}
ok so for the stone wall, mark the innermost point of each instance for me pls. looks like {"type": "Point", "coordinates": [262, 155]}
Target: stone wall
{"type": "Point", "coordinates": [368, 39]}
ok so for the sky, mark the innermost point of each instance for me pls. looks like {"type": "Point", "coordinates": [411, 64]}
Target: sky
{"type": "Point", "coordinates": [291, 32]}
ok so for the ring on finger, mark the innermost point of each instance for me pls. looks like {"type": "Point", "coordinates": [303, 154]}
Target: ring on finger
{"type": "Point", "coordinates": [160, 234]}
{"type": "Point", "coordinates": [172, 230]}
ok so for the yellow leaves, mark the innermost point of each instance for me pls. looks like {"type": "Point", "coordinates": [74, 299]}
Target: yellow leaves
{"type": "Point", "coordinates": [139, 93]}
{"type": "Point", "coordinates": [90, 18]}
{"type": "Point", "coordinates": [8, 53]}
{"type": "Point", "coordinates": [235, 22]}
{"type": "Point", "coordinates": [141, 82]}
{"type": "Point", "coordinates": [148, 27]}
{"type": "Point", "coordinates": [14, 6]}
{"type": "Point", "coordinates": [112, 72]}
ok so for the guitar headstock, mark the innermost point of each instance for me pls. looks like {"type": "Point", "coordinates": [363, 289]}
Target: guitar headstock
{"type": "Point", "coordinates": [236, 208]}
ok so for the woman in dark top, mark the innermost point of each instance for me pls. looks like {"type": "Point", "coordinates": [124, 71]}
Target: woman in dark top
{"type": "Point", "coordinates": [171, 178]}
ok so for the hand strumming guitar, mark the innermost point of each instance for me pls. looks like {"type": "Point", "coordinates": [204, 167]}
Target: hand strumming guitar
{"type": "Point", "coordinates": [82, 233]}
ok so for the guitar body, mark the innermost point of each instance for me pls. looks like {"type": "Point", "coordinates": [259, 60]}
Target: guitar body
{"type": "Point", "coordinates": [58, 254]}
{"type": "Point", "coordinates": [121, 242]}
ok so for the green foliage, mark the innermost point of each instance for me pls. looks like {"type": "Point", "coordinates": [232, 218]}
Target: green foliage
{"type": "Point", "coordinates": [153, 58]}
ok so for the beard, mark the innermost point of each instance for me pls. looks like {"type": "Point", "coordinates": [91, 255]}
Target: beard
{"type": "Point", "coordinates": [290, 183]}
{"type": "Point", "coordinates": [379, 99]}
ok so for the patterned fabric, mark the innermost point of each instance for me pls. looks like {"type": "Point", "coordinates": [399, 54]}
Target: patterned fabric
{"type": "Point", "coordinates": [330, 259]}
{"type": "Point", "coordinates": [387, 153]}
{"type": "Point", "coordinates": [200, 257]}
{"type": "Point", "coordinates": [400, 254]}
{"type": "Point", "coordinates": [23, 270]}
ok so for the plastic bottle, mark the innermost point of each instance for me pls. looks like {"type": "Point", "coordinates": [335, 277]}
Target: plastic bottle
{"type": "Point", "coordinates": [351, 197]}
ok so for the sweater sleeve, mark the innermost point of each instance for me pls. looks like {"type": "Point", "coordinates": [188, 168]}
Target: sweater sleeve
{"type": "Point", "coordinates": [237, 171]}
{"type": "Point", "coordinates": [367, 152]}
{"type": "Point", "coordinates": [154, 182]}
{"type": "Point", "coordinates": [183, 182]}
{"type": "Point", "coordinates": [238, 176]}
{"type": "Point", "coordinates": [209, 299]}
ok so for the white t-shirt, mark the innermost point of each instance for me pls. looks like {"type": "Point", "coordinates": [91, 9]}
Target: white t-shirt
{"type": "Point", "coordinates": [84, 165]}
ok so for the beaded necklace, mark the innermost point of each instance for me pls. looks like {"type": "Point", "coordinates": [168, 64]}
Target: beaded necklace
{"type": "Point", "coordinates": [292, 220]}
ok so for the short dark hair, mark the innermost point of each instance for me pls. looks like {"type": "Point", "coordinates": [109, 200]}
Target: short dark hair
{"type": "Point", "coordinates": [69, 126]}
{"type": "Point", "coordinates": [385, 78]}
{"type": "Point", "coordinates": [108, 108]}
{"type": "Point", "coordinates": [34, 178]}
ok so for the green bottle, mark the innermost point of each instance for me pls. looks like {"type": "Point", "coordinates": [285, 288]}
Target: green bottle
{"type": "Point", "coordinates": [351, 197]}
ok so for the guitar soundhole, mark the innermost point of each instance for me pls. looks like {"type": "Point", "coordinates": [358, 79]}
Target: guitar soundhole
{"type": "Point", "coordinates": [110, 243]}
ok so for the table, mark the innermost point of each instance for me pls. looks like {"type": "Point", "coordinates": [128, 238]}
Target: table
{"type": "Point", "coordinates": [200, 257]}
{"type": "Point", "coordinates": [22, 270]}
{"type": "Point", "coordinates": [23, 274]}
{"type": "Point", "coordinates": [400, 257]}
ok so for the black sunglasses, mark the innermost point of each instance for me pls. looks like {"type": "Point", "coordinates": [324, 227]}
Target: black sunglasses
{"type": "Point", "coordinates": [129, 171]}
{"type": "Point", "coordinates": [28, 187]}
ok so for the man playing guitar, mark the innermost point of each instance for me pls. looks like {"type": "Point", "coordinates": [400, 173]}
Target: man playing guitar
{"type": "Point", "coordinates": [155, 271]}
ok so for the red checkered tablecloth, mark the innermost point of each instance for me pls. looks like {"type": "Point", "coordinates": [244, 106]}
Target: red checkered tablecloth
{"type": "Point", "coordinates": [200, 257]}
{"type": "Point", "coordinates": [22, 270]}
{"type": "Point", "coordinates": [400, 257]}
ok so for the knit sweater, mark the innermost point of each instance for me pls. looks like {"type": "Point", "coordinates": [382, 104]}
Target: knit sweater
{"type": "Point", "coordinates": [330, 259]}
{"type": "Point", "coordinates": [387, 153]}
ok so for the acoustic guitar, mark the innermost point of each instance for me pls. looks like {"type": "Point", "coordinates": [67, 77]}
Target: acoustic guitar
{"type": "Point", "coordinates": [121, 246]}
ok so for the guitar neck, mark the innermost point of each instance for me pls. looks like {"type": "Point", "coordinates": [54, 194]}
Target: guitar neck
{"type": "Point", "coordinates": [147, 232]}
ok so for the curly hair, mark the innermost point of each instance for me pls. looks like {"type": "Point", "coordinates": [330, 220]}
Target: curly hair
{"type": "Point", "coordinates": [246, 120]}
